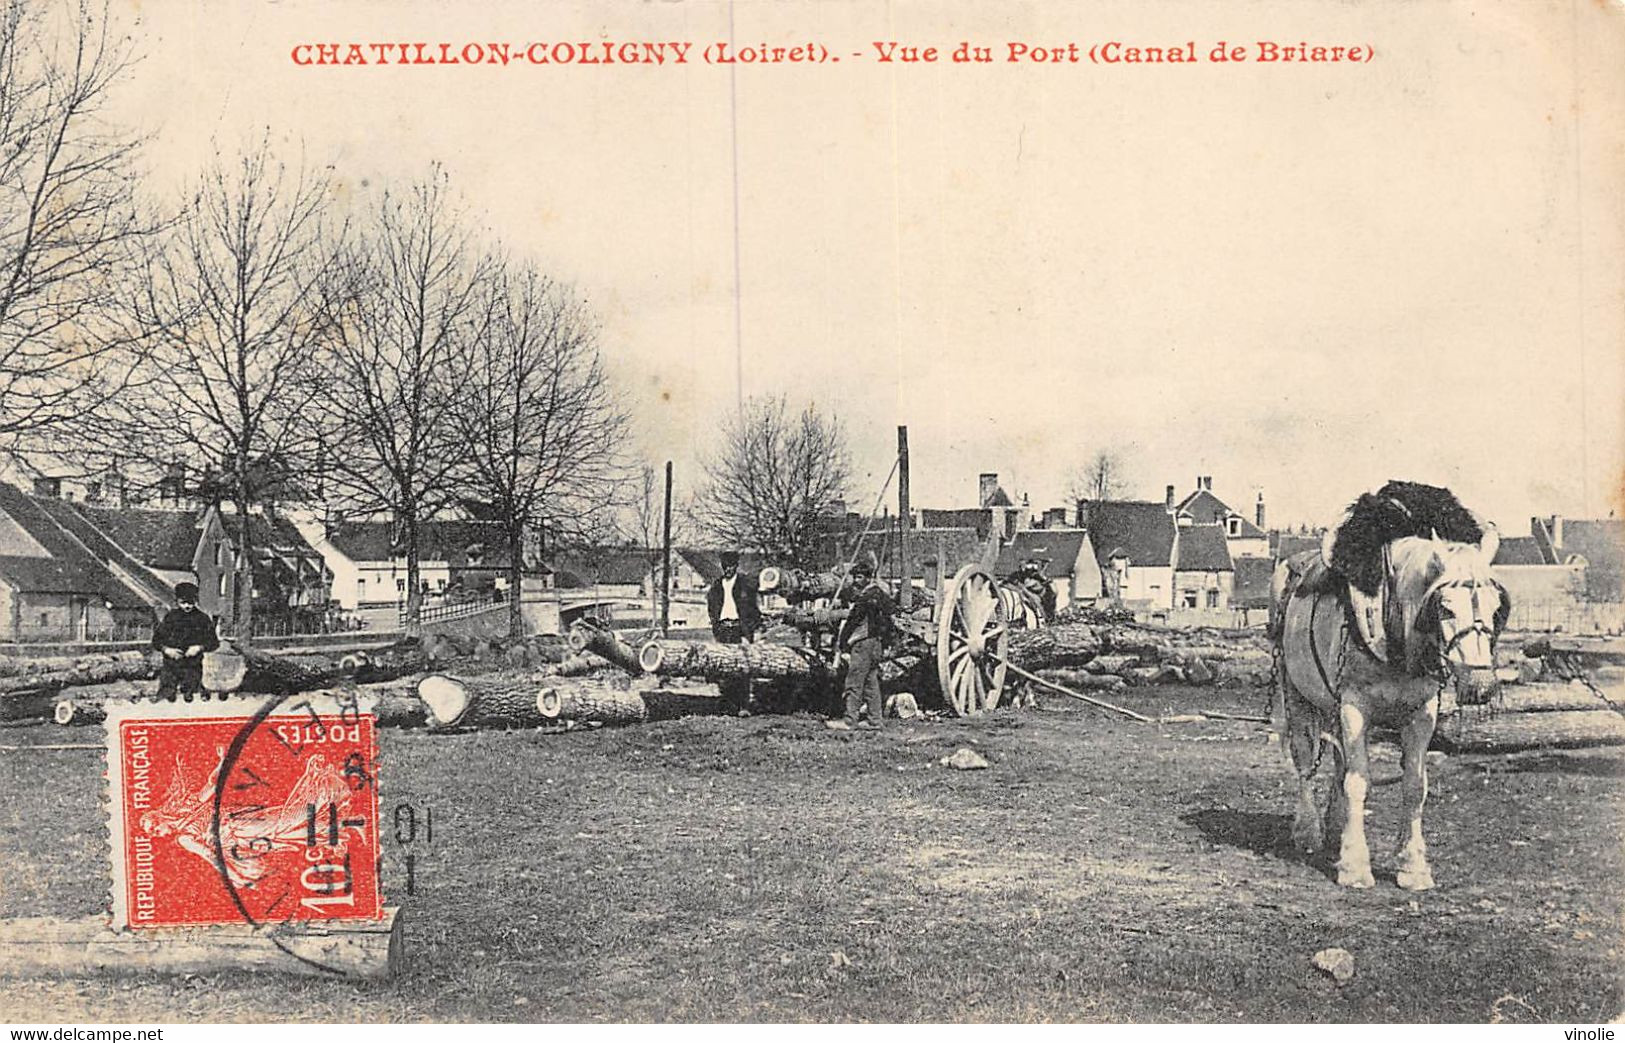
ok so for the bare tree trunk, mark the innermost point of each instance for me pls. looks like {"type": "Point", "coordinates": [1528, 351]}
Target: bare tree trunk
{"type": "Point", "coordinates": [516, 583]}
{"type": "Point", "coordinates": [414, 596]}
{"type": "Point", "coordinates": [243, 594]}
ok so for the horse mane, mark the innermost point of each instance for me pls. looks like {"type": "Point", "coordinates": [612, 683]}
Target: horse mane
{"type": "Point", "coordinates": [1397, 510]}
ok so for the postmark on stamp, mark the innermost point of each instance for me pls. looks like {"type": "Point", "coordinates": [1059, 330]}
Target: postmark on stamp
{"type": "Point", "coordinates": [263, 811]}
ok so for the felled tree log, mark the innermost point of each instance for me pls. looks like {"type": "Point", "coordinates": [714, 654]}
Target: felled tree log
{"type": "Point", "coordinates": [491, 701]}
{"type": "Point", "coordinates": [1065, 644]}
{"type": "Point", "coordinates": [124, 666]}
{"type": "Point", "coordinates": [1081, 679]}
{"type": "Point", "coordinates": [1469, 731]}
{"type": "Point", "coordinates": [719, 662]}
{"type": "Point", "coordinates": [587, 701]}
{"type": "Point", "coordinates": [797, 586]}
{"type": "Point", "coordinates": [86, 704]}
{"type": "Point", "coordinates": [13, 667]}
{"type": "Point", "coordinates": [579, 666]}
{"type": "Point", "coordinates": [587, 638]}
{"type": "Point", "coordinates": [1543, 698]}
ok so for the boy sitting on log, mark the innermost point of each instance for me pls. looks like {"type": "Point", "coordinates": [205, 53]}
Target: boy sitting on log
{"type": "Point", "coordinates": [183, 636]}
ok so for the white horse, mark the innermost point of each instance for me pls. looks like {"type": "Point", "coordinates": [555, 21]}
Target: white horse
{"type": "Point", "coordinates": [1445, 614]}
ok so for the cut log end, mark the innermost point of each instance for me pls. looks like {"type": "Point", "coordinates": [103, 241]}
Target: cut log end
{"type": "Point", "coordinates": [549, 703]}
{"type": "Point", "coordinates": [651, 656]}
{"type": "Point", "coordinates": [446, 698]}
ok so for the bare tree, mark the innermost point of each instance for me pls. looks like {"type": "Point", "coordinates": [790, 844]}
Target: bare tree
{"type": "Point", "coordinates": [541, 431]}
{"type": "Point", "coordinates": [231, 313]}
{"type": "Point", "coordinates": [643, 521]}
{"type": "Point", "coordinates": [774, 478]}
{"type": "Point", "coordinates": [1104, 477]}
{"type": "Point", "coordinates": [70, 227]}
{"type": "Point", "coordinates": [405, 304]}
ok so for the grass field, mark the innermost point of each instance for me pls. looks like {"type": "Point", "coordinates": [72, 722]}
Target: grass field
{"type": "Point", "coordinates": [718, 869]}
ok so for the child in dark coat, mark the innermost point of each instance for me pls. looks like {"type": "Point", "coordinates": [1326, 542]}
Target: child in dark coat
{"type": "Point", "coordinates": [183, 636]}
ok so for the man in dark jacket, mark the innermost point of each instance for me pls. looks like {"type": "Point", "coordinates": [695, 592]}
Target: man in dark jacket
{"type": "Point", "coordinates": [864, 636]}
{"type": "Point", "coordinates": [735, 618]}
{"type": "Point", "coordinates": [183, 636]}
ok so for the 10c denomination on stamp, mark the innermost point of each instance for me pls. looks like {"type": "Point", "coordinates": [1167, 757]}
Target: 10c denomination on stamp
{"type": "Point", "coordinates": [264, 811]}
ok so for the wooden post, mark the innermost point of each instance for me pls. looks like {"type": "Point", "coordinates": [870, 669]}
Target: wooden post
{"type": "Point", "coordinates": [665, 569]}
{"type": "Point", "coordinates": [905, 596]}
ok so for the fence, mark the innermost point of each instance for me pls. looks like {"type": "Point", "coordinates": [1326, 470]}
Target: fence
{"type": "Point", "coordinates": [429, 613]}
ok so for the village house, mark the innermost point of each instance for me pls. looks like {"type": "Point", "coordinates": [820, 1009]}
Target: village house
{"type": "Point", "coordinates": [1563, 562]}
{"type": "Point", "coordinates": [1201, 507]}
{"type": "Point", "coordinates": [177, 545]}
{"type": "Point", "coordinates": [1204, 575]}
{"type": "Point", "coordinates": [1069, 560]}
{"type": "Point", "coordinates": [456, 559]}
{"type": "Point", "coordinates": [1134, 546]}
{"type": "Point", "coordinates": [55, 587]}
{"type": "Point", "coordinates": [995, 514]}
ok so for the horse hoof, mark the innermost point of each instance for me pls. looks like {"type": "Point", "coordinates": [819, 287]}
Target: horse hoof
{"type": "Point", "coordinates": [1415, 880]}
{"type": "Point", "coordinates": [1346, 878]}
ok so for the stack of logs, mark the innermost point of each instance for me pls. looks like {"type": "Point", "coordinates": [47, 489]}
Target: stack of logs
{"type": "Point", "coordinates": [1115, 655]}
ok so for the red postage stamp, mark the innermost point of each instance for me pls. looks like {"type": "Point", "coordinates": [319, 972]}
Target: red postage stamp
{"type": "Point", "coordinates": [264, 811]}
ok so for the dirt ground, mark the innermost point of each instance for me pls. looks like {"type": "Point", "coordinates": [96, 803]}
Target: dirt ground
{"type": "Point", "coordinates": [767, 869]}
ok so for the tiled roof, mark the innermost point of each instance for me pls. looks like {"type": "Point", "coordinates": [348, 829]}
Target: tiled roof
{"type": "Point", "coordinates": [127, 569]}
{"type": "Point", "coordinates": [447, 540]}
{"type": "Point", "coordinates": [610, 565]}
{"type": "Point", "coordinates": [1202, 548]}
{"type": "Point", "coordinates": [1251, 587]}
{"type": "Point", "coordinates": [160, 539]}
{"type": "Point", "coordinates": [1059, 547]}
{"type": "Point", "coordinates": [979, 519]}
{"type": "Point", "coordinates": [363, 540]}
{"type": "Point", "coordinates": [70, 569]}
{"type": "Point", "coordinates": [959, 547]}
{"type": "Point", "coordinates": [1142, 532]}
{"type": "Point", "coordinates": [1206, 509]}
{"type": "Point", "coordinates": [1519, 550]}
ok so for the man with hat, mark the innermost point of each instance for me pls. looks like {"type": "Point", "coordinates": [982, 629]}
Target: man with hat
{"type": "Point", "coordinates": [182, 637]}
{"type": "Point", "coordinates": [864, 635]}
{"type": "Point", "coordinates": [735, 617]}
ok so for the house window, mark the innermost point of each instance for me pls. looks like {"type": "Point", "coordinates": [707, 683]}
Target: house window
{"type": "Point", "coordinates": [1188, 598]}
{"type": "Point", "coordinates": [1212, 599]}
{"type": "Point", "coordinates": [400, 586]}
{"type": "Point", "coordinates": [440, 585]}
{"type": "Point", "coordinates": [1234, 525]}
{"type": "Point", "coordinates": [44, 619]}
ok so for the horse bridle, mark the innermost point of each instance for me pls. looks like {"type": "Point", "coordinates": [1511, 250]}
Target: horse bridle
{"type": "Point", "coordinates": [1478, 625]}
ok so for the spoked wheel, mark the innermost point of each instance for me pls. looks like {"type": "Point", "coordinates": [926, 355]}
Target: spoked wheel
{"type": "Point", "coordinates": [972, 634]}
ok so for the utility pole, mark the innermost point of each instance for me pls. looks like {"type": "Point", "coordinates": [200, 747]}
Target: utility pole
{"type": "Point", "coordinates": [665, 568]}
{"type": "Point", "coordinates": [906, 594]}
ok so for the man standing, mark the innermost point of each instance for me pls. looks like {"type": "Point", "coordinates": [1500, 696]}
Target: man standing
{"type": "Point", "coordinates": [864, 636]}
{"type": "Point", "coordinates": [182, 637]}
{"type": "Point", "coordinates": [735, 617]}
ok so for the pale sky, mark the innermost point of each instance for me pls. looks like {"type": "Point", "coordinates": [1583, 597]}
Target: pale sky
{"type": "Point", "coordinates": [1301, 279]}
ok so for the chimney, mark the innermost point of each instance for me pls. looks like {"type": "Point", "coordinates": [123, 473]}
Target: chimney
{"type": "Point", "coordinates": [1055, 518]}
{"type": "Point", "coordinates": [1168, 501]}
{"type": "Point", "coordinates": [1258, 512]}
{"type": "Point", "coordinates": [987, 485]}
{"type": "Point", "coordinates": [1557, 532]}
{"type": "Point", "coordinates": [1083, 514]}
{"type": "Point", "coordinates": [1207, 482]}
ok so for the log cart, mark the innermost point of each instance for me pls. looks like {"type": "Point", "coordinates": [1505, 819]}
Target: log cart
{"type": "Point", "coordinates": [956, 648]}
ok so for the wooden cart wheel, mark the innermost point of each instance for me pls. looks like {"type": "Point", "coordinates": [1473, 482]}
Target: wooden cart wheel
{"type": "Point", "coordinates": [972, 634]}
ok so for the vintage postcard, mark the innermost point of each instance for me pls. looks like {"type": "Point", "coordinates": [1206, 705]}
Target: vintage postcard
{"type": "Point", "coordinates": [728, 511]}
